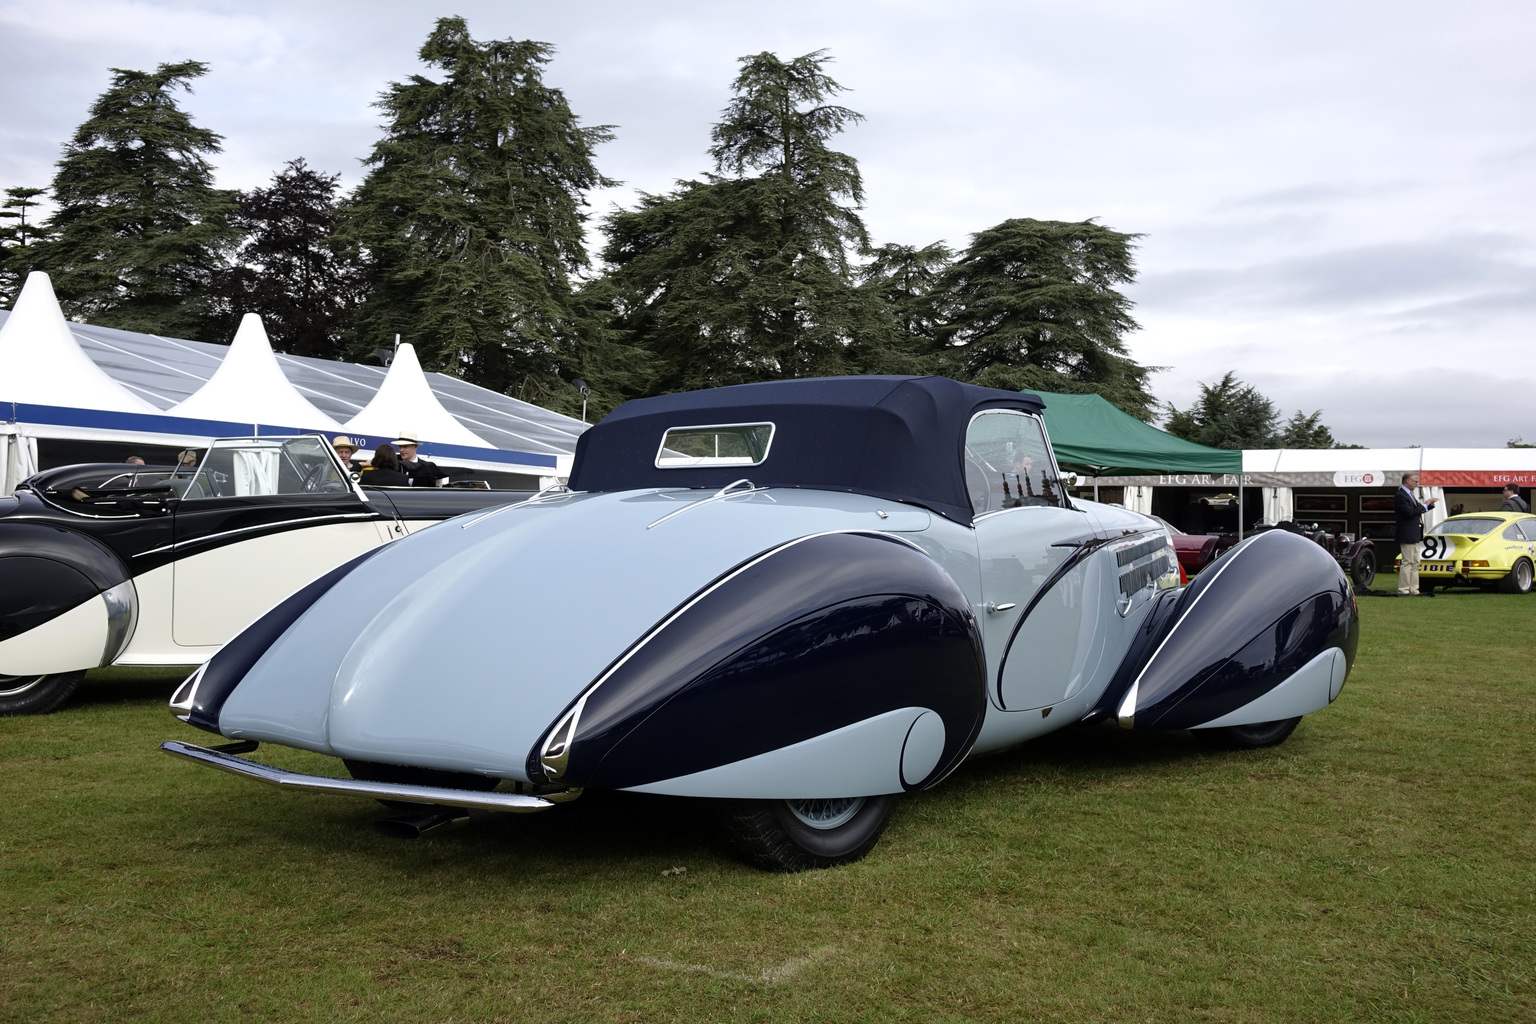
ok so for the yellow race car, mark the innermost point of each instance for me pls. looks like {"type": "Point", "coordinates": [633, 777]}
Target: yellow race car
{"type": "Point", "coordinates": [1479, 549]}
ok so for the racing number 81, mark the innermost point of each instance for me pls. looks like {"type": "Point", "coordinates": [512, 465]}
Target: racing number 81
{"type": "Point", "coordinates": [1435, 547]}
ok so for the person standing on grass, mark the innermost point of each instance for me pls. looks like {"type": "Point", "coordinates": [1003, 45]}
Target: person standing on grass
{"type": "Point", "coordinates": [1512, 500]}
{"type": "Point", "coordinates": [1410, 532]}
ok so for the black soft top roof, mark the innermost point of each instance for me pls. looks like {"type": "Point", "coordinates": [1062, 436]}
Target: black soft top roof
{"type": "Point", "coordinates": [901, 438]}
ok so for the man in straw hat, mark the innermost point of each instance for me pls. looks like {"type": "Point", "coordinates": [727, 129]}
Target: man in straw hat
{"type": "Point", "coordinates": [345, 447]}
{"type": "Point", "coordinates": [421, 472]}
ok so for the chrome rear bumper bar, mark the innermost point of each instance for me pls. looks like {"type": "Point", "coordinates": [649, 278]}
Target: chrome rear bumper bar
{"type": "Point", "coordinates": [508, 802]}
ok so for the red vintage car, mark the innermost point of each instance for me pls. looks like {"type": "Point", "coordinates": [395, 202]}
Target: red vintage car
{"type": "Point", "coordinates": [1195, 550]}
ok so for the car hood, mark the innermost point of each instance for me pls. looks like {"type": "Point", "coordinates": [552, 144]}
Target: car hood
{"type": "Point", "coordinates": [458, 646]}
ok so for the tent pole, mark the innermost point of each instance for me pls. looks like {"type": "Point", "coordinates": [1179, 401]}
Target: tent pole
{"type": "Point", "coordinates": [1239, 508]}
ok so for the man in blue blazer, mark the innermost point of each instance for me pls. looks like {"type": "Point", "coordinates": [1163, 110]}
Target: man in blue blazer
{"type": "Point", "coordinates": [1410, 532]}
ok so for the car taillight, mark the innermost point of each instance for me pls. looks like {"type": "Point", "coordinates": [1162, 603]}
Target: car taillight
{"type": "Point", "coordinates": [1479, 564]}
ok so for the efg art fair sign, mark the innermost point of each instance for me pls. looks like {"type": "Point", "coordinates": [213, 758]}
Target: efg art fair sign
{"type": "Point", "coordinates": [1359, 478]}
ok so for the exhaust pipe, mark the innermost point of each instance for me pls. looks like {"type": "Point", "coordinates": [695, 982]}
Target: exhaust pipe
{"type": "Point", "coordinates": [414, 826]}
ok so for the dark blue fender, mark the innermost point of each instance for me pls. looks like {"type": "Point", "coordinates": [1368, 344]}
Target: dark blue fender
{"type": "Point", "coordinates": [814, 636]}
{"type": "Point", "coordinates": [1246, 624]}
{"type": "Point", "coordinates": [47, 570]}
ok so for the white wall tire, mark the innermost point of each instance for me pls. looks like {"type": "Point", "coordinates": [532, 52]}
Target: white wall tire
{"type": "Point", "coordinates": [37, 694]}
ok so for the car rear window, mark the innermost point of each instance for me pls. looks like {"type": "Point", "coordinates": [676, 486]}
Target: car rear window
{"type": "Point", "coordinates": [1470, 527]}
{"type": "Point", "coordinates": [726, 444]}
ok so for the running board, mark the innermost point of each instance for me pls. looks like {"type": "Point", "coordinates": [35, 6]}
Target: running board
{"type": "Point", "coordinates": [507, 802]}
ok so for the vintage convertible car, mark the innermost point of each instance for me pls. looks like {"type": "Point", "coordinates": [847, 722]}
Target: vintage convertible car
{"type": "Point", "coordinates": [104, 564]}
{"type": "Point", "coordinates": [1195, 551]}
{"type": "Point", "coordinates": [797, 599]}
{"type": "Point", "coordinates": [1479, 549]}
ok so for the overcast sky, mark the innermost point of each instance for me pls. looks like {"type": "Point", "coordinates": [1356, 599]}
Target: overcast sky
{"type": "Point", "coordinates": [1338, 199]}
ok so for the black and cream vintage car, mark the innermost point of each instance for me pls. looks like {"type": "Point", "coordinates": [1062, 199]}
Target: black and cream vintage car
{"type": "Point", "coordinates": [795, 600]}
{"type": "Point", "coordinates": [123, 565]}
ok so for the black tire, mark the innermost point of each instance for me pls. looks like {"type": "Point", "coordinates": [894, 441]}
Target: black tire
{"type": "Point", "coordinates": [1519, 579]}
{"type": "Point", "coordinates": [37, 695]}
{"type": "Point", "coordinates": [1249, 737]}
{"type": "Point", "coordinates": [1362, 569]}
{"type": "Point", "coordinates": [797, 835]}
{"type": "Point", "coordinates": [405, 775]}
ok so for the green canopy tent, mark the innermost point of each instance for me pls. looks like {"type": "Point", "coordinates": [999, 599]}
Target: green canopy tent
{"type": "Point", "coordinates": [1089, 433]}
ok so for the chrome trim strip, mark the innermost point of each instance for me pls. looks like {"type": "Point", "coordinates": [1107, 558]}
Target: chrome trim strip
{"type": "Point", "coordinates": [186, 694]}
{"type": "Point", "coordinates": [556, 753]}
{"type": "Point", "coordinates": [264, 526]}
{"type": "Point", "coordinates": [510, 802]}
{"type": "Point", "coordinates": [724, 492]}
{"type": "Point", "coordinates": [555, 490]}
{"type": "Point", "coordinates": [40, 496]}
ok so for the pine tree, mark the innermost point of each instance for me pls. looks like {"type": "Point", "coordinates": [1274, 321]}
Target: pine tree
{"type": "Point", "coordinates": [1304, 431]}
{"type": "Point", "coordinates": [1035, 306]}
{"type": "Point", "coordinates": [290, 268]}
{"type": "Point", "coordinates": [1228, 414]}
{"type": "Point", "coordinates": [18, 253]}
{"type": "Point", "coordinates": [471, 218]}
{"type": "Point", "coordinates": [1231, 414]}
{"type": "Point", "coordinates": [745, 275]}
{"type": "Point", "coordinates": [139, 228]}
{"type": "Point", "coordinates": [911, 281]}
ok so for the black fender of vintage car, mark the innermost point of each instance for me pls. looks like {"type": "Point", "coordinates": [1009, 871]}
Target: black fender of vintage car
{"type": "Point", "coordinates": [48, 571]}
{"type": "Point", "coordinates": [1268, 632]}
{"type": "Point", "coordinates": [804, 640]}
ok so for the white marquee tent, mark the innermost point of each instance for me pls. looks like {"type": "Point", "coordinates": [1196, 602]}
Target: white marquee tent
{"type": "Point", "coordinates": [65, 380]}
{"type": "Point", "coordinates": [250, 387]}
{"type": "Point", "coordinates": [405, 403]}
{"type": "Point", "coordinates": [1279, 473]}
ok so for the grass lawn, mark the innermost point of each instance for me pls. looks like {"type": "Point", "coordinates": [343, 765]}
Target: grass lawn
{"type": "Point", "coordinates": [1378, 866]}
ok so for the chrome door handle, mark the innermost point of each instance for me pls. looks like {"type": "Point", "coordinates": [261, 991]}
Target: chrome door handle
{"type": "Point", "coordinates": [993, 608]}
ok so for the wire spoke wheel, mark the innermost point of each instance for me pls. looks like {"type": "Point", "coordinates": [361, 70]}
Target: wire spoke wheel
{"type": "Point", "coordinates": [826, 814]}
{"type": "Point", "coordinates": [796, 835]}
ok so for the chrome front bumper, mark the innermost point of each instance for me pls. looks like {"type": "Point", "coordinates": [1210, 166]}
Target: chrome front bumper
{"type": "Point", "coordinates": [440, 795]}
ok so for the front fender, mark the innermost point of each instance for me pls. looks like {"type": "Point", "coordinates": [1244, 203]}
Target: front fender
{"type": "Point", "coordinates": [1269, 611]}
{"type": "Point", "coordinates": [859, 637]}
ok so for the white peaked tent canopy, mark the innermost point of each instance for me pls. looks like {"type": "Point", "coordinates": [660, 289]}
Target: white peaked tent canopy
{"type": "Point", "coordinates": [405, 402]}
{"type": "Point", "coordinates": [250, 387]}
{"type": "Point", "coordinates": [41, 363]}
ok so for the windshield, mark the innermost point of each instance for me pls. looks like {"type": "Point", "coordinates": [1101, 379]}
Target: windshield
{"type": "Point", "coordinates": [1469, 527]}
{"type": "Point", "coordinates": [250, 466]}
{"type": "Point", "coordinates": [1007, 464]}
